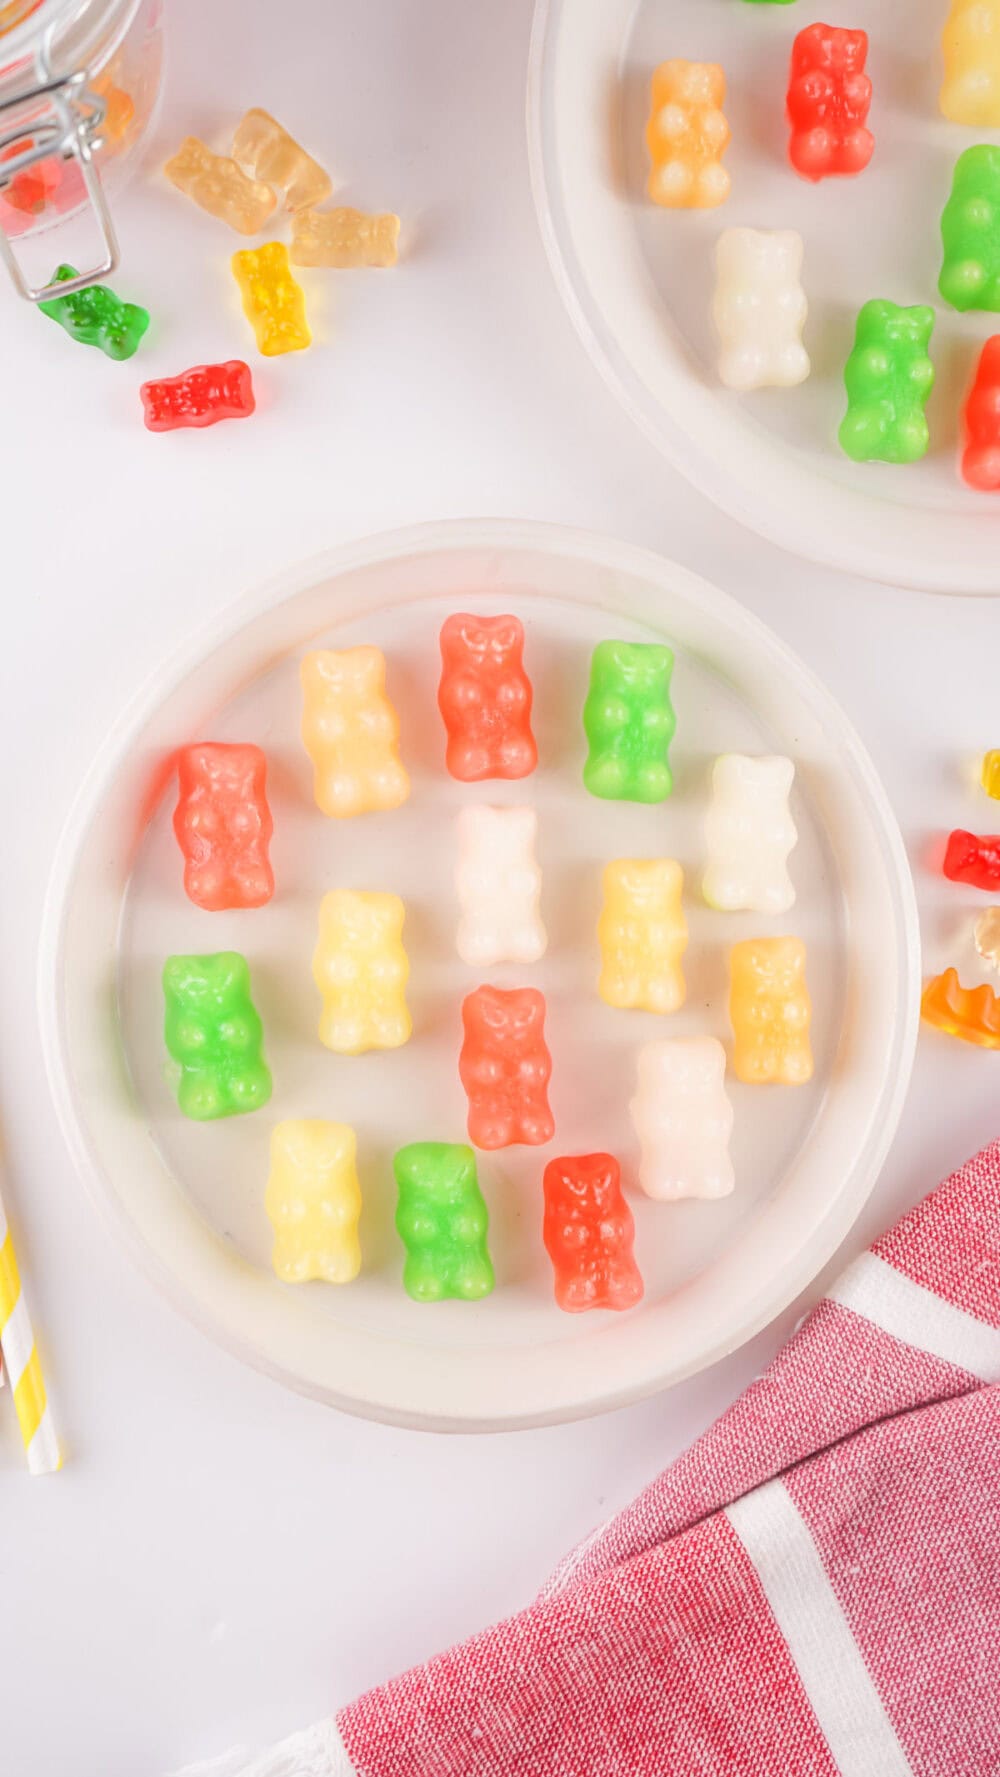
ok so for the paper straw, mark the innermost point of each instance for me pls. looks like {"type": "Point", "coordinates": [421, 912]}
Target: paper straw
{"type": "Point", "coordinates": [21, 1363]}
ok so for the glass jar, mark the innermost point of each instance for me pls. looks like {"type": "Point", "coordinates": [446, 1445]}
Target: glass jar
{"type": "Point", "coordinates": [79, 84]}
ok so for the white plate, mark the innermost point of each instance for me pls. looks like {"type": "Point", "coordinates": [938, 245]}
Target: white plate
{"type": "Point", "coordinates": [190, 1196]}
{"type": "Point", "coordinates": [638, 280]}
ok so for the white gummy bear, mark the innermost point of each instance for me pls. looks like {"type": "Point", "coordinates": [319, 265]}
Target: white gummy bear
{"type": "Point", "coordinates": [749, 833]}
{"type": "Point", "coordinates": [683, 1118]}
{"type": "Point", "coordinates": [499, 884]}
{"type": "Point", "coordinates": [760, 309]}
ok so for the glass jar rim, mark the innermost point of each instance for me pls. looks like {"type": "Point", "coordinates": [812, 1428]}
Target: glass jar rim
{"type": "Point", "coordinates": [70, 31]}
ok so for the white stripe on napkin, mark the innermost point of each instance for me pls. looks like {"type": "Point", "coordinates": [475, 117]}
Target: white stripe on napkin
{"type": "Point", "coordinates": [834, 1677]}
{"type": "Point", "coordinates": [915, 1316]}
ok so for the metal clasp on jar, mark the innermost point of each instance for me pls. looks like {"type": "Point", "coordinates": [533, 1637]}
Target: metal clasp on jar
{"type": "Point", "coordinates": [70, 128]}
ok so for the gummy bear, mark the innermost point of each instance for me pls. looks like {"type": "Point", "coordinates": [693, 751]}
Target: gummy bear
{"type": "Point", "coordinates": [684, 1119]}
{"type": "Point", "coordinates": [629, 722]}
{"type": "Point", "coordinates": [588, 1232]}
{"type": "Point", "coordinates": [31, 189]}
{"type": "Point", "coordinates": [973, 861]}
{"type": "Point", "coordinates": [272, 300]}
{"type": "Point", "coordinates": [485, 699]}
{"type": "Point", "coordinates": [987, 936]}
{"type": "Point", "coordinates": [749, 835]}
{"type": "Point", "coordinates": [970, 231]}
{"type": "Point", "coordinates": [991, 773]}
{"type": "Point", "coordinates": [213, 1031]}
{"type": "Point", "coordinates": [770, 1012]}
{"type": "Point", "coordinates": [351, 733]}
{"type": "Point", "coordinates": [760, 309]}
{"type": "Point", "coordinates": [223, 825]}
{"type": "Point", "coordinates": [971, 45]}
{"type": "Point", "coordinates": [499, 885]}
{"type": "Point", "coordinates": [97, 317]}
{"type": "Point", "coordinates": [505, 1067]}
{"type": "Point", "coordinates": [199, 397]}
{"type": "Point", "coordinates": [981, 456]}
{"type": "Point", "coordinates": [442, 1222]}
{"type": "Point", "coordinates": [643, 935]}
{"type": "Point", "coordinates": [219, 186]}
{"type": "Point", "coordinates": [361, 970]}
{"type": "Point", "coordinates": [266, 151]}
{"type": "Point", "coordinates": [889, 377]}
{"type": "Point", "coordinates": [829, 97]}
{"type": "Point", "coordinates": [119, 110]}
{"type": "Point", "coordinates": [687, 135]}
{"type": "Point", "coordinates": [970, 1013]}
{"type": "Point", "coordinates": [345, 238]}
{"type": "Point", "coordinates": [313, 1199]}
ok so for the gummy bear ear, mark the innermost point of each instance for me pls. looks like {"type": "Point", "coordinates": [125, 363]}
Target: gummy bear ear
{"type": "Point", "coordinates": [472, 634]}
{"type": "Point", "coordinates": [506, 636]}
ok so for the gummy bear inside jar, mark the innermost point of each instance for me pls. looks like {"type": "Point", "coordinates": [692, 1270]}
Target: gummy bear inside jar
{"type": "Point", "coordinates": [118, 46]}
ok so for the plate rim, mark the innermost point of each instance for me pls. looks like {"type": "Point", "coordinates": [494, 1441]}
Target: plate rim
{"type": "Point", "coordinates": [525, 536]}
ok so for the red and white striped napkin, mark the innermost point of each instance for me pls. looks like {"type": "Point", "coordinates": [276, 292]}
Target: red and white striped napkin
{"type": "Point", "coordinates": [812, 1589]}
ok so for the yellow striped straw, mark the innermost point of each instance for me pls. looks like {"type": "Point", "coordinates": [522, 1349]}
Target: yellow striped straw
{"type": "Point", "coordinates": [21, 1363]}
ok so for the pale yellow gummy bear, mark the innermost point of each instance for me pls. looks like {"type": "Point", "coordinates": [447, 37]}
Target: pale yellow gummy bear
{"type": "Point", "coordinates": [267, 151]}
{"type": "Point", "coordinates": [314, 1201]}
{"type": "Point", "coordinates": [361, 970]}
{"type": "Point", "coordinates": [643, 935]}
{"type": "Point", "coordinates": [219, 186]}
{"type": "Point", "coordinates": [971, 45]}
{"type": "Point", "coordinates": [344, 238]}
{"type": "Point", "coordinates": [351, 732]}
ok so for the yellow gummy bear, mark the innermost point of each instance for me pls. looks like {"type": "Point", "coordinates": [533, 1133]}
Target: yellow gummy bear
{"type": "Point", "coordinates": [219, 186]}
{"type": "Point", "coordinates": [351, 732]}
{"type": "Point", "coordinates": [361, 970]}
{"type": "Point", "coordinates": [272, 301]}
{"type": "Point", "coordinates": [344, 238]}
{"type": "Point", "coordinates": [971, 45]}
{"type": "Point", "coordinates": [643, 935]}
{"type": "Point", "coordinates": [991, 774]}
{"type": "Point", "coordinates": [770, 1012]}
{"type": "Point", "coordinates": [314, 1201]}
{"type": "Point", "coordinates": [687, 136]}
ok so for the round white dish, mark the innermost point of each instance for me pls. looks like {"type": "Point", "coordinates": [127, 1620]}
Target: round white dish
{"type": "Point", "coordinates": [190, 1197]}
{"type": "Point", "coordinates": [638, 280]}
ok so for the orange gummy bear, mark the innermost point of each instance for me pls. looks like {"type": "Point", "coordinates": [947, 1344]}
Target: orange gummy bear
{"type": "Point", "coordinates": [970, 1013]}
{"type": "Point", "coordinates": [770, 1012]}
{"type": "Point", "coordinates": [687, 135]}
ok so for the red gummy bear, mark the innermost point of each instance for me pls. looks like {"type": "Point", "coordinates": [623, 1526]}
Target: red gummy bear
{"type": "Point", "coordinates": [485, 699]}
{"type": "Point", "coordinates": [981, 457]}
{"type": "Point", "coordinates": [829, 96]}
{"type": "Point", "coordinates": [973, 861]}
{"type": "Point", "coordinates": [588, 1232]}
{"type": "Point", "coordinates": [199, 397]}
{"type": "Point", "coordinates": [505, 1067]}
{"type": "Point", "coordinates": [223, 825]}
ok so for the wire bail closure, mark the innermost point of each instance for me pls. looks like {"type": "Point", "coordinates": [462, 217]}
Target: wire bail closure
{"type": "Point", "coordinates": [71, 130]}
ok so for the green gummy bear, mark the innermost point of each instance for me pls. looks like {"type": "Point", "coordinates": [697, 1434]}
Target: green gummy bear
{"type": "Point", "coordinates": [629, 722]}
{"type": "Point", "coordinates": [443, 1222]}
{"type": "Point", "coordinates": [889, 377]}
{"type": "Point", "coordinates": [213, 1030]}
{"type": "Point", "coordinates": [97, 317]}
{"type": "Point", "coordinates": [970, 230]}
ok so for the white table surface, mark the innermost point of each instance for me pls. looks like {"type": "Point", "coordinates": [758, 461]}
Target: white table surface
{"type": "Point", "coordinates": [221, 1560]}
